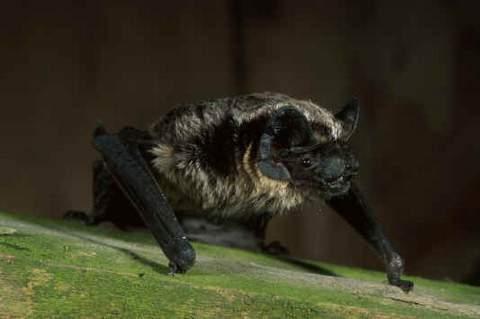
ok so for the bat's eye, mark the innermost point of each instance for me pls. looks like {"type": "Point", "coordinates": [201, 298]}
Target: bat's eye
{"type": "Point", "coordinates": [306, 162]}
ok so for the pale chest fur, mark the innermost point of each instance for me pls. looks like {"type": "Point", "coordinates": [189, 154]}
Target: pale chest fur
{"type": "Point", "coordinates": [190, 186]}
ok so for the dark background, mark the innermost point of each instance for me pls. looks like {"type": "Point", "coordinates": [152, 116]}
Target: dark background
{"type": "Point", "coordinates": [414, 65]}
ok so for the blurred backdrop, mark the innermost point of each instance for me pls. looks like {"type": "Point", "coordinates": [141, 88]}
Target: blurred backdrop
{"type": "Point", "coordinates": [414, 65]}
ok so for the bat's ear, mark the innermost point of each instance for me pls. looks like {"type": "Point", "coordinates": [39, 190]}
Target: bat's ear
{"type": "Point", "coordinates": [349, 116]}
{"type": "Point", "coordinates": [286, 127]}
{"type": "Point", "coordinates": [265, 163]}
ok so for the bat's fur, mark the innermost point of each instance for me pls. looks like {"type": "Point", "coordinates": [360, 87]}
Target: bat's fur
{"type": "Point", "coordinates": [205, 155]}
{"type": "Point", "coordinates": [241, 160]}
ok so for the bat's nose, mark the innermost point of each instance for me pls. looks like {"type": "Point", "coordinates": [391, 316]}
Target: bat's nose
{"type": "Point", "coordinates": [334, 167]}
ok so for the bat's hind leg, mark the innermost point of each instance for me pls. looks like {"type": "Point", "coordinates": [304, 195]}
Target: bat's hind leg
{"type": "Point", "coordinates": [259, 225]}
{"type": "Point", "coordinates": [109, 202]}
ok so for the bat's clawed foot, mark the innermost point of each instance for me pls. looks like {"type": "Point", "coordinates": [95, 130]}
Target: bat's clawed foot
{"type": "Point", "coordinates": [176, 268]}
{"type": "Point", "coordinates": [182, 258]}
{"type": "Point", "coordinates": [275, 248]}
{"type": "Point", "coordinates": [80, 216]}
{"type": "Point", "coordinates": [394, 271]}
{"type": "Point", "coordinates": [173, 269]}
{"type": "Point", "coordinates": [405, 285]}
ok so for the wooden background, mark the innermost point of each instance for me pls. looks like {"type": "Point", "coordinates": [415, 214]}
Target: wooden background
{"type": "Point", "coordinates": [413, 64]}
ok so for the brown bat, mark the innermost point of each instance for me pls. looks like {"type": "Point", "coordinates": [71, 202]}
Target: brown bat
{"type": "Point", "coordinates": [244, 158]}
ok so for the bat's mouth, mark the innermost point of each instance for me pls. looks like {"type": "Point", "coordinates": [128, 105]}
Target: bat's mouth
{"type": "Point", "coordinates": [330, 188]}
{"type": "Point", "coordinates": [338, 182]}
{"type": "Point", "coordinates": [337, 186]}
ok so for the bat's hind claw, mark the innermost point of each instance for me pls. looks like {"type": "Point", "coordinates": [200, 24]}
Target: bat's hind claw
{"type": "Point", "coordinates": [405, 285]}
{"type": "Point", "coordinates": [172, 269]}
{"type": "Point", "coordinates": [80, 216]}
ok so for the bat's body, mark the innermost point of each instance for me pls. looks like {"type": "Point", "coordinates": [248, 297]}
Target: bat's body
{"type": "Point", "coordinates": [245, 158]}
{"type": "Point", "coordinates": [206, 156]}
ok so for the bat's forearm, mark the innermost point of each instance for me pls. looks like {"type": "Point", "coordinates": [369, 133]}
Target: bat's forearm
{"type": "Point", "coordinates": [352, 207]}
{"type": "Point", "coordinates": [127, 166]}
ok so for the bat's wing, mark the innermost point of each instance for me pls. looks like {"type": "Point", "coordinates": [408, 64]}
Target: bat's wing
{"type": "Point", "coordinates": [125, 161]}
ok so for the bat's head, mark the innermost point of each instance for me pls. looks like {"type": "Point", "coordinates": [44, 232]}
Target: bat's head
{"type": "Point", "coordinates": [317, 160]}
{"type": "Point", "coordinates": [326, 168]}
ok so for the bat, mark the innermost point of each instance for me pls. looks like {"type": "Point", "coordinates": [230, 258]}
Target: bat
{"type": "Point", "coordinates": [245, 158]}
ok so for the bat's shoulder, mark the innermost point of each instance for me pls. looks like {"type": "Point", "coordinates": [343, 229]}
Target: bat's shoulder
{"type": "Point", "coordinates": [244, 112]}
{"type": "Point", "coordinates": [214, 110]}
{"type": "Point", "coordinates": [252, 106]}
